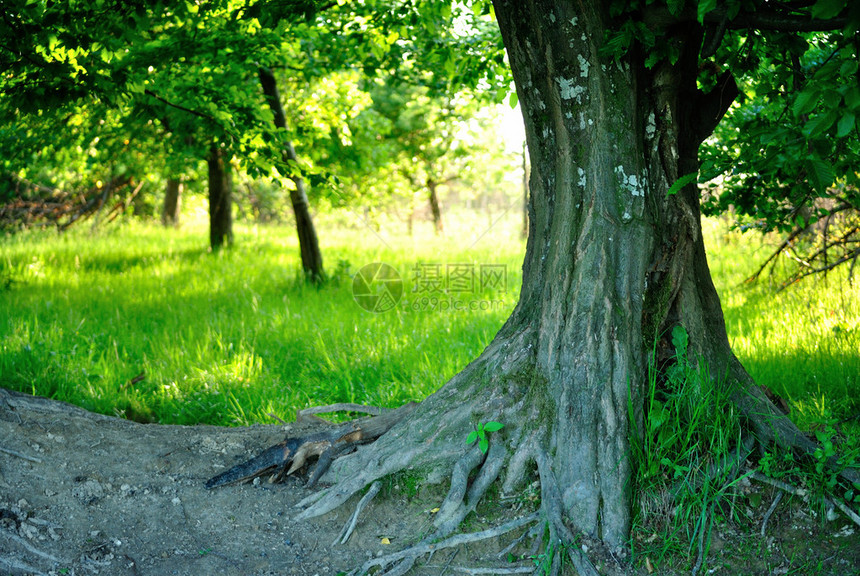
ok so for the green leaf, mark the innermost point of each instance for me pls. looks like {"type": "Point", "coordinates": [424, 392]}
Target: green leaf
{"type": "Point", "coordinates": [805, 102]}
{"type": "Point", "coordinates": [483, 445]}
{"type": "Point", "coordinates": [513, 99]}
{"type": "Point", "coordinates": [675, 6]}
{"type": "Point", "coordinates": [473, 435]}
{"type": "Point", "coordinates": [681, 182]}
{"type": "Point", "coordinates": [845, 125]}
{"type": "Point", "coordinates": [852, 98]}
{"type": "Point", "coordinates": [819, 174]}
{"type": "Point", "coordinates": [493, 426]}
{"type": "Point", "coordinates": [819, 123]}
{"type": "Point", "coordinates": [705, 6]}
{"type": "Point", "coordinates": [827, 8]}
{"type": "Point", "coordinates": [680, 340]}
{"type": "Point", "coordinates": [831, 98]}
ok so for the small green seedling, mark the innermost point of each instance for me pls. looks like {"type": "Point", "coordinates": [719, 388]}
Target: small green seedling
{"type": "Point", "coordinates": [480, 434]}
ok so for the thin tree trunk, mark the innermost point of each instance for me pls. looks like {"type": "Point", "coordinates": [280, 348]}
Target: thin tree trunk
{"type": "Point", "coordinates": [220, 200]}
{"type": "Point", "coordinates": [312, 262]}
{"type": "Point", "coordinates": [434, 207]}
{"type": "Point", "coordinates": [172, 203]}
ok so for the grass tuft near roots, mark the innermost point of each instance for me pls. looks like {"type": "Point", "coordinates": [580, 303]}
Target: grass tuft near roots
{"type": "Point", "coordinates": [688, 457]}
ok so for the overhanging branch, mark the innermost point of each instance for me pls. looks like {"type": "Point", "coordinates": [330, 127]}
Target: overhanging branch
{"type": "Point", "coordinates": [794, 21]}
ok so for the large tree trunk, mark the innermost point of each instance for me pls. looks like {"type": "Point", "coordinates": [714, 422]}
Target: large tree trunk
{"type": "Point", "coordinates": [220, 199]}
{"type": "Point", "coordinates": [612, 264]}
{"type": "Point", "coordinates": [312, 262]}
{"type": "Point", "coordinates": [172, 202]}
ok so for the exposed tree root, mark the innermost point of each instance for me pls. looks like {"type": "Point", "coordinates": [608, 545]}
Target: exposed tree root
{"type": "Point", "coordinates": [17, 566]}
{"type": "Point", "coordinates": [350, 526]}
{"type": "Point", "coordinates": [559, 534]}
{"type": "Point", "coordinates": [19, 455]}
{"type": "Point", "coordinates": [409, 555]}
{"type": "Point", "coordinates": [494, 571]}
{"type": "Point", "coordinates": [794, 491]}
{"type": "Point", "coordinates": [459, 503]}
{"type": "Point", "coordinates": [769, 512]}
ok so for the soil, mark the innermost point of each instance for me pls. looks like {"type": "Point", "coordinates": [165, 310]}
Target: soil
{"type": "Point", "coordinates": [82, 493]}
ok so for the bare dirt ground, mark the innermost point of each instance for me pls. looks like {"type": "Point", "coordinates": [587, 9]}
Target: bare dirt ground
{"type": "Point", "coordinates": [90, 494]}
{"type": "Point", "coordinates": [82, 493]}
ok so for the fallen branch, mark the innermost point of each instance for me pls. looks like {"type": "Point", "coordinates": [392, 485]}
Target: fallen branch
{"type": "Point", "coordinates": [293, 453]}
{"type": "Point", "coordinates": [19, 455]}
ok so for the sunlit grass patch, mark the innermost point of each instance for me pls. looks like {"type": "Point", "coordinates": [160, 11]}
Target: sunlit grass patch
{"type": "Point", "coordinates": [231, 337]}
{"type": "Point", "coordinates": [228, 338]}
{"type": "Point", "coordinates": [802, 342]}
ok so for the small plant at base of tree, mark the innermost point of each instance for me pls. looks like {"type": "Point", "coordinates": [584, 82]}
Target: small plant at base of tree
{"type": "Point", "coordinates": [480, 434]}
{"type": "Point", "coordinates": [688, 457]}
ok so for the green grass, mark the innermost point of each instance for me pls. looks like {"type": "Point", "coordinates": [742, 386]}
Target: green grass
{"type": "Point", "coordinates": [802, 342]}
{"type": "Point", "coordinates": [228, 338]}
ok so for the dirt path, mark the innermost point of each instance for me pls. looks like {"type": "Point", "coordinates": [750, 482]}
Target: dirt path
{"type": "Point", "coordinates": [90, 494]}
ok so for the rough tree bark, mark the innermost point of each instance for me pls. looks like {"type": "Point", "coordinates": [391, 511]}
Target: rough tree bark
{"type": "Point", "coordinates": [309, 246]}
{"type": "Point", "coordinates": [220, 199]}
{"type": "Point", "coordinates": [612, 264]}
{"type": "Point", "coordinates": [525, 230]}
{"type": "Point", "coordinates": [172, 202]}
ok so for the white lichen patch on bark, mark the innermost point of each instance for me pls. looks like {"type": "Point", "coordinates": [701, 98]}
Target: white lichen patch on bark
{"type": "Point", "coordinates": [583, 64]}
{"type": "Point", "coordinates": [633, 202]}
{"type": "Point", "coordinates": [568, 89]}
{"type": "Point", "coordinates": [650, 126]}
{"type": "Point", "coordinates": [581, 173]}
{"type": "Point", "coordinates": [632, 183]}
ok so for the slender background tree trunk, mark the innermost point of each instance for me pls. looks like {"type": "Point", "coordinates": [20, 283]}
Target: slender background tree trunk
{"type": "Point", "coordinates": [435, 209]}
{"type": "Point", "coordinates": [312, 262]}
{"type": "Point", "coordinates": [220, 200]}
{"type": "Point", "coordinates": [172, 203]}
